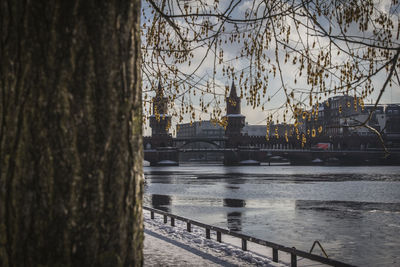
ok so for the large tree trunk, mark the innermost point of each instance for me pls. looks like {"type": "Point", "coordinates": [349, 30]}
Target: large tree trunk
{"type": "Point", "coordinates": [70, 133]}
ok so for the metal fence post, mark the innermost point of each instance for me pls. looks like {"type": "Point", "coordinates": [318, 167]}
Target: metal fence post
{"type": "Point", "coordinates": [244, 244]}
{"type": "Point", "coordinates": [165, 218]}
{"type": "Point", "coordinates": [152, 215]}
{"type": "Point", "coordinates": [172, 221]}
{"type": "Point", "coordinates": [293, 260]}
{"type": "Point", "coordinates": [274, 255]}
{"type": "Point", "coordinates": [219, 239]}
{"type": "Point", "coordinates": [188, 227]}
{"type": "Point", "coordinates": [208, 233]}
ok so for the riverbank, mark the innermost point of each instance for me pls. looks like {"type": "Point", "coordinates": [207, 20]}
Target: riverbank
{"type": "Point", "coordinates": [173, 246]}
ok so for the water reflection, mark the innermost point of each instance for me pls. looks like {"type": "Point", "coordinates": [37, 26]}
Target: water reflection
{"type": "Point", "coordinates": [234, 218]}
{"type": "Point", "coordinates": [161, 202]}
{"type": "Point", "coordinates": [234, 203]}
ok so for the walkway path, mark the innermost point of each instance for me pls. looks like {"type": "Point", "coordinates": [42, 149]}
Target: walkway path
{"type": "Point", "coordinates": [174, 246]}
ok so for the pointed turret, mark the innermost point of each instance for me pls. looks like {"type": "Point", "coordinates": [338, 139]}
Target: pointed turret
{"type": "Point", "coordinates": [233, 90]}
{"type": "Point", "coordinates": [159, 92]}
{"type": "Point", "coordinates": [233, 101]}
{"type": "Point", "coordinates": [160, 103]}
{"type": "Point", "coordinates": [234, 118]}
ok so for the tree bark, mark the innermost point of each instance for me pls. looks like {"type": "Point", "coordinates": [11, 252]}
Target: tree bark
{"type": "Point", "coordinates": [70, 133]}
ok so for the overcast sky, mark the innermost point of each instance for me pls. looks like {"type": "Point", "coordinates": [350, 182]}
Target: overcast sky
{"type": "Point", "coordinates": [204, 73]}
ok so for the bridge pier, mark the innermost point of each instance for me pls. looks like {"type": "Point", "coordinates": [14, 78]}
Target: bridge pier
{"type": "Point", "coordinates": [162, 156]}
{"type": "Point", "coordinates": [231, 158]}
{"type": "Point", "coordinates": [242, 156]}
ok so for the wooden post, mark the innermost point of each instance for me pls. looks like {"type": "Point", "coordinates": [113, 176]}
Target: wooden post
{"type": "Point", "coordinates": [244, 244]}
{"type": "Point", "coordinates": [274, 255]}
{"type": "Point", "coordinates": [172, 221]}
{"type": "Point", "coordinates": [219, 239]}
{"type": "Point", "coordinates": [188, 227]}
{"type": "Point", "coordinates": [152, 215]}
{"type": "Point", "coordinates": [165, 218]}
{"type": "Point", "coordinates": [208, 236]}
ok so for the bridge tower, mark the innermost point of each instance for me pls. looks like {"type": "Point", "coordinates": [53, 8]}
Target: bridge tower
{"type": "Point", "coordinates": [158, 149]}
{"type": "Point", "coordinates": [235, 119]}
{"type": "Point", "coordinates": [160, 120]}
{"type": "Point", "coordinates": [235, 123]}
{"type": "Point", "coordinates": [241, 153]}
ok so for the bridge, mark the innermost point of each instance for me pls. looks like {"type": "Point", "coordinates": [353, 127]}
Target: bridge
{"type": "Point", "coordinates": [256, 156]}
{"type": "Point", "coordinates": [181, 142]}
{"type": "Point", "coordinates": [238, 149]}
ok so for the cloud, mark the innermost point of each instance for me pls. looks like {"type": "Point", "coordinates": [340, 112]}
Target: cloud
{"type": "Point", "coordinates": [289, 71]}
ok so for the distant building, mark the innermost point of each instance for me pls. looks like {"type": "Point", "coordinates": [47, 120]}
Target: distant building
{"type": "Point", "coordinates": [341, 117]}
{"type": "Point", "coordinates": [392, 126]}
{"type": "Point", "coordinates": [200, 129]}
{"type": "Point", "coordinates": [186, 130]}
{"type": "Point", "coordinates": [377, 121]}
{"type": "Point", "coordinates": [335, 109]}
{"type": "Point", "coordinates": [254, 130]}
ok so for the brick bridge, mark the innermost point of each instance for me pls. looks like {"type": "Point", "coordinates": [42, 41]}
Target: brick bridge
{"type": "Point", "coordinates": [161, 148]}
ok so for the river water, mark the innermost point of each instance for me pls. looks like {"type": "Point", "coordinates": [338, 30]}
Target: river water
{"type": "Point", "coordinates": [353, 211]}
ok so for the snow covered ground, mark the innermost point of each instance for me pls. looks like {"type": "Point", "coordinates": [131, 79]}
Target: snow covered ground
{"type": "Point", "coordinates": [174, 246]}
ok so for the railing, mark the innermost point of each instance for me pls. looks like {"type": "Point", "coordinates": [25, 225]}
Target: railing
{"type": "Point", "coordinates": [245, 238]}
{"type": "Point", "coordinates": [316, 242]}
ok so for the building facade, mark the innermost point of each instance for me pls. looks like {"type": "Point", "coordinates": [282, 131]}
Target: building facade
{"type": "Point", "coordinates": [200, 129]}
{"type": "Point", "coordinates": [341, 118]}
